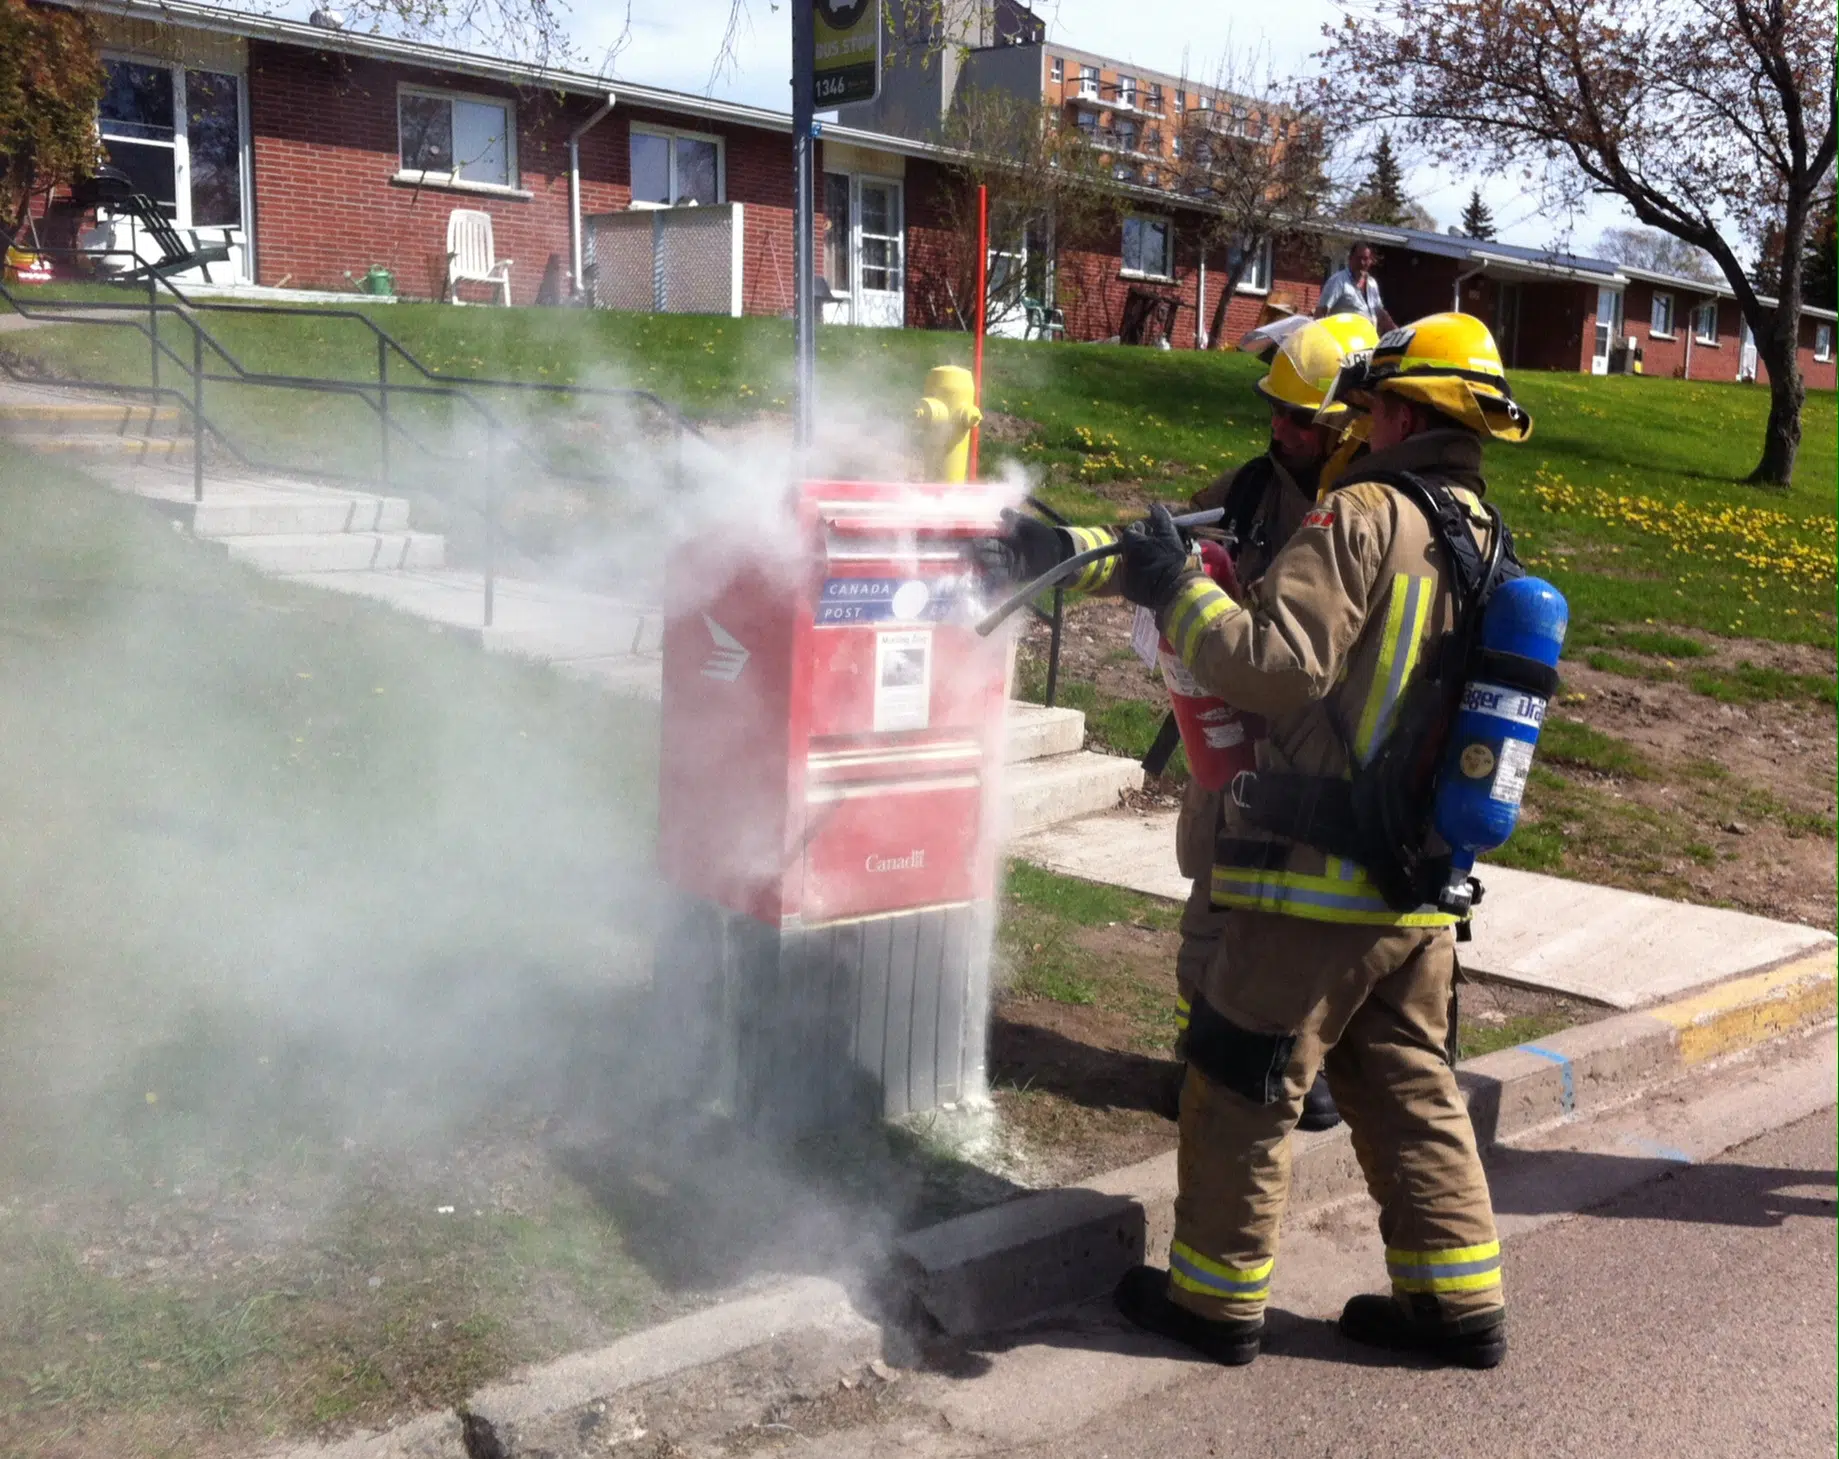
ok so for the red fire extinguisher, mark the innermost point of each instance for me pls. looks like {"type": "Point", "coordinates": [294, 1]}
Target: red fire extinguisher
{"type": "Point", "coordinates": [1220, 740]}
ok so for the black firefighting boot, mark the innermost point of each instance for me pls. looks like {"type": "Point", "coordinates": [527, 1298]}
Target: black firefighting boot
{"type": "Point", "coordinates": [1476, 1341]}
{"type": "Point", "coordinates": [1319, 1112]}
{"type": "Point", "coordinates": [1143, 1297]}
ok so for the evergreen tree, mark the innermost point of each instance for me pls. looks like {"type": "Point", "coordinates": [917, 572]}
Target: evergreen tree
{"type": "Point", "coordinates": [1381, 198]}
{"type": "Point", "coordinates": [1477, 218]}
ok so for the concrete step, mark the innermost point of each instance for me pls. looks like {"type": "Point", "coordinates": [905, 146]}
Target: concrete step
{"type": "Point", "coordinates": [224, 514]}
{"type": "Point", "coordinates": [302, 552]}
{"type": "Point", "coordinates": [1035, 731]}
{"type": "Point", "coordinates": [112, 447]}
{"type": "Point", "coordinates": [88, 417]}
{"type": "Point", "coordinates": [1061, 787]}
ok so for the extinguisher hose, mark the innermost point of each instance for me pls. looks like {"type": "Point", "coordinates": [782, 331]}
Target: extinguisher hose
{"type": "Point", "coordinates": [1060, 572]}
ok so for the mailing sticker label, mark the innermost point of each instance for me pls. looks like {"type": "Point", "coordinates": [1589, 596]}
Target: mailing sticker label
{"type": "Point", "coordinates": [903, 680]}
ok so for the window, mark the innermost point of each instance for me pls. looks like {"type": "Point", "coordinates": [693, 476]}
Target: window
{"type": "Point", "coordinates": [1088, 123]}
{"type": "Point", "coordinates": [178, 135]}
{"type": "Point", "coordinates": [836, 231]}
{"type": "Point", "coordinates": [1660, 322]}
{"type": "Point", "coordinates": [1705, 323]}
{"type": "Point", "coordinates": [456, 139]}
{"type": "Point", "coordinates": [879, 215]}
{"type": "Point", "coordinates": [1057, 70]}
{"type": "Point", "coordinates": [1822, 342]}
{"type": "Point", "coordinates": [1126, 90]}
{"type": "Point", "coordinates": [1126, 135]}
{"type": "Point", "coordinates": [1154, 101]}
{"type": "Point", "coordinates": [674, 169]}
{"type": "Point", "coordinates": [1257, 276]}
{"type": "Point", "coordinates": [1175, 145]}
{"type": "Point", "coordinates": [1149, 246]}
{"type": "Point", "coordinates": [1088, 82]}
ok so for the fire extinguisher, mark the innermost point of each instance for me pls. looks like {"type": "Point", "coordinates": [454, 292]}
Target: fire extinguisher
{"type": "Point", "coordinates": [1220, 740]}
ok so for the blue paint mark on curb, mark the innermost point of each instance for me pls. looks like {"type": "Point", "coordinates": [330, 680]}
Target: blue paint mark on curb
{"type": "Point", "coordinates": [1660, 1152]}
{"type": "Point", "coordinates": [1569, 1096]}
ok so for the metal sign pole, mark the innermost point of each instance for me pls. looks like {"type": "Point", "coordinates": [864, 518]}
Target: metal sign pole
{"type": "Point", "coordinates": [804, 259]}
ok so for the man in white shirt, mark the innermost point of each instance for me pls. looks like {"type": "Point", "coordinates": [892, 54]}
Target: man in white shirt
{"type": "Point", "coordinates": [1354, 290]}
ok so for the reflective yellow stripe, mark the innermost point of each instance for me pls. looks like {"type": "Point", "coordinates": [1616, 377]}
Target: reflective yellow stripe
{"type": "Point", "coordinates": [1407, 612]}
{"type": "Point", "coordinates": [1093, 575]}
{"type": "Point", "coordinates": [1318, 898]}
{"type": "Point", "coordinates": [1196, 604]}
{"type": "Point", "coordinates": [1192, 1272]}
{"type": "Point", "coordinates": [1183, 1009]}
{"type": "Point", "coordinates": [1456, 1269]}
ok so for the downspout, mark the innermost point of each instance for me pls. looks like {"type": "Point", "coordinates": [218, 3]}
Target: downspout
{"type": "Point", "coordinates": [1692, 328]}
{"type": "Point", "coordinates": [574, 190]}
{"type": "Point", "coordinates": [1200, 309]}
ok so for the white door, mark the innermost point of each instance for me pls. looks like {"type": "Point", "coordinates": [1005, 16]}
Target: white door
{"type": "Point", "coordinates": [1608, 328]}
{"type": "Point", "coordinates": [880, 250]}
{"type": "Point", "coordinates": [181, 134]}
{"type": "Point", "coordinates": [1007, 317]}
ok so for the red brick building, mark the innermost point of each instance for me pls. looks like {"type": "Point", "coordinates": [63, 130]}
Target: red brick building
{"type": "Point", "coordinates": [317, 154]}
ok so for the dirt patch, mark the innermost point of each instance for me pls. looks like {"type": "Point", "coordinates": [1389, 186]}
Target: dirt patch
{"type": "Point", "coordinates": [1755, 782]}
{"type": "Point", "coordinates": [1004, 429]}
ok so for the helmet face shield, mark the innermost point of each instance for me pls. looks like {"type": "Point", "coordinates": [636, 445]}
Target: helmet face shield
{"type": "Point", "coordinates": [1351, 389]}
{"type": "Point", "coordinates": [1308, 361]}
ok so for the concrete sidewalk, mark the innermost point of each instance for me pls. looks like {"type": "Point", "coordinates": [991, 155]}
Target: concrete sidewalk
{"type": "Point", "coordinates": [1609, 946]}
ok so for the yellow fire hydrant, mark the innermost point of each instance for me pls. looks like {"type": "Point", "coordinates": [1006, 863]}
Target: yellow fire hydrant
{"type": "Point", "coordinates": [947, 414]}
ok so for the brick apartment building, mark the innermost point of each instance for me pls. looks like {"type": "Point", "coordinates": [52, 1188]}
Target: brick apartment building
{"type": "Point", "coordinates": [316, 154]}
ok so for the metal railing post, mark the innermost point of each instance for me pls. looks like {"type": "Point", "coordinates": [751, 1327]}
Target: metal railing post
{"type": "Point", "coordinates": [383, 404]}
{"type": "Point", "coordinates": [153, 329]}
{"type": "Point", "coordinates": [1053, 648]}
{"type": "Point", "coordinates": [197, 412]}
{"type": "Point", "coordinates": [491, 521]}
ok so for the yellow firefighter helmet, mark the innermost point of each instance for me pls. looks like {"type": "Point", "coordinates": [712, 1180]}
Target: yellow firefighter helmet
{"type": "Point", "coordinates": [1450, 363]}
{"type": "Point", "coordinates": [1308, 360]}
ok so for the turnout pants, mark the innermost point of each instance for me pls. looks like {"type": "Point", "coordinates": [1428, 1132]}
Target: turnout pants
{"type": "Point", "coordinates": [1202, 924]}
{"type": "Point", "coordinates": [1282, 997]}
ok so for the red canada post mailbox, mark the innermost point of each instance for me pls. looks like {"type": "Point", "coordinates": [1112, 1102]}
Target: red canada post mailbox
{"type": "Point", "coordinates": [832, 745]}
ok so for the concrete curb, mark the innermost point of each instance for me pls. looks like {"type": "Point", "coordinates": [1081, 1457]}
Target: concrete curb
{"type": "Point", "coordinates": [700, 1338]}
{"type": "Point", "coordinates": [1001, 1266]}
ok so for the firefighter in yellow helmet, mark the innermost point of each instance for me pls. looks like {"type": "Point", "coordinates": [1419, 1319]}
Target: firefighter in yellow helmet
{"type": "Point", "coordinates": [1335, 961]}
{"type": "Point", "coordinates": [1265, 500]}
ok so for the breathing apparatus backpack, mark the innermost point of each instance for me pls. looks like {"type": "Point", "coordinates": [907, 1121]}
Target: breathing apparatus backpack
{"type": "Point", "coordinates": [1446, 782]}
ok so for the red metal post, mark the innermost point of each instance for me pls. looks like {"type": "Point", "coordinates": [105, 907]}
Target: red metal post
{"type": "Point", "coordinates": [983, 294]}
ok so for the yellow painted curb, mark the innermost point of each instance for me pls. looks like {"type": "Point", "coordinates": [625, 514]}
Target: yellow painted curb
{"type": "Point", "coordinates": [1751, 1011]}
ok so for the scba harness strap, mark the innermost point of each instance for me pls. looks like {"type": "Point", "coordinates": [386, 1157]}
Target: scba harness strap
{"type": "Point", "coordinates": [1379, 816]}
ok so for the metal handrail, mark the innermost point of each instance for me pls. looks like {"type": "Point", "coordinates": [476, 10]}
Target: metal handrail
{"type": "Point", "coordinates": [375, 396]}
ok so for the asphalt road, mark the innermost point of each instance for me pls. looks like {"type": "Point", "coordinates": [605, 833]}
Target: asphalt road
{"type": "Point", "coordinates": [1671, 1295]}
{"type": "Point", "coordinates": [1693, 1317]}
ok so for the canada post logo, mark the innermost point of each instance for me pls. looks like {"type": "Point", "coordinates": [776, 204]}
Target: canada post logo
{"type": "Point", "coordinates": [846, 602]}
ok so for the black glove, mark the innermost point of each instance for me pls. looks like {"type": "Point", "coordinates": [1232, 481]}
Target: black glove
{"type": "Point", "coordinates": [1027, 548]}
{"type": "Point", "coordinates": [1155, 560]}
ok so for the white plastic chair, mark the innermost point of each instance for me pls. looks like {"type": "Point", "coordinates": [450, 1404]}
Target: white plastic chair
{"type": "Point", "coordinates": [470, 258]}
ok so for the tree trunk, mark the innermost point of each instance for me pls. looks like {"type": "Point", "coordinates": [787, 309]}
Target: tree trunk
{"type": "Point", "coordinates": [1218, 327]}
{"type": "Point", "coordinates": [1782, 436]}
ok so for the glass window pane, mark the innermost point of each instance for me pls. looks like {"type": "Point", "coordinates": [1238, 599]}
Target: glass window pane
{"type": "Point", "coordinates": [880, 266]}
{"type": "Point", "coordinates": [650, 168]}
{"type": "Point", "coordinates": [836, 231]}
{"type": "Point", "coordinates": [875, 210]}
{"type": "Point", "coordinates": [150, 168]}
{"type": "Point", "coordinates": [695, 171]}
{"type": "Point", "coordinates": [214, 134]}
{"type": "Point", "coordinates": [427, 133]}
{"type": "Point", "coordinates": [137, 102]}
{"type": "Point", "coordinates": [481, 147]}
{"type": "Point", "coordinates": [1132, 251]}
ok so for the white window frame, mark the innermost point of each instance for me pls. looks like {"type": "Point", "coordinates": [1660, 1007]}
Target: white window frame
{"type": "Point", "coordinates": [1088, 82]}
{"type": "Point", "coordinates": [1653, 317]}
{"type": "Point", "coordinates": [1056, 70]}
{"type": "Point", "coordinates": [1707, 310]}
{"type": "Point", "coordinates": [1822, 341]}
{"type": "Point", "coordinates": [1168, 227]}
{"type": "Point", "coordinates": [1127, 91]}
{"type": "Point", "coordinates": [1152, 98]}
{"type": "Point", "coordinates": [1258, 277]}
{"type": "Point", "coordinates": [452, 181]}
{"type": "Point", "coordinates": [646, 129]}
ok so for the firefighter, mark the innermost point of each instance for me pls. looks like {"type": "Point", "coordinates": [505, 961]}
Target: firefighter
{"type": "Point", "coordinates": [1264, 499]}
{"type": "Point", "coordinates": [1322, 969]}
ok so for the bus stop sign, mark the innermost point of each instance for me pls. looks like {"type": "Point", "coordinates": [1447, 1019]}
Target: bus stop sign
{"type": "Point", "coordinates": [847, 52]}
